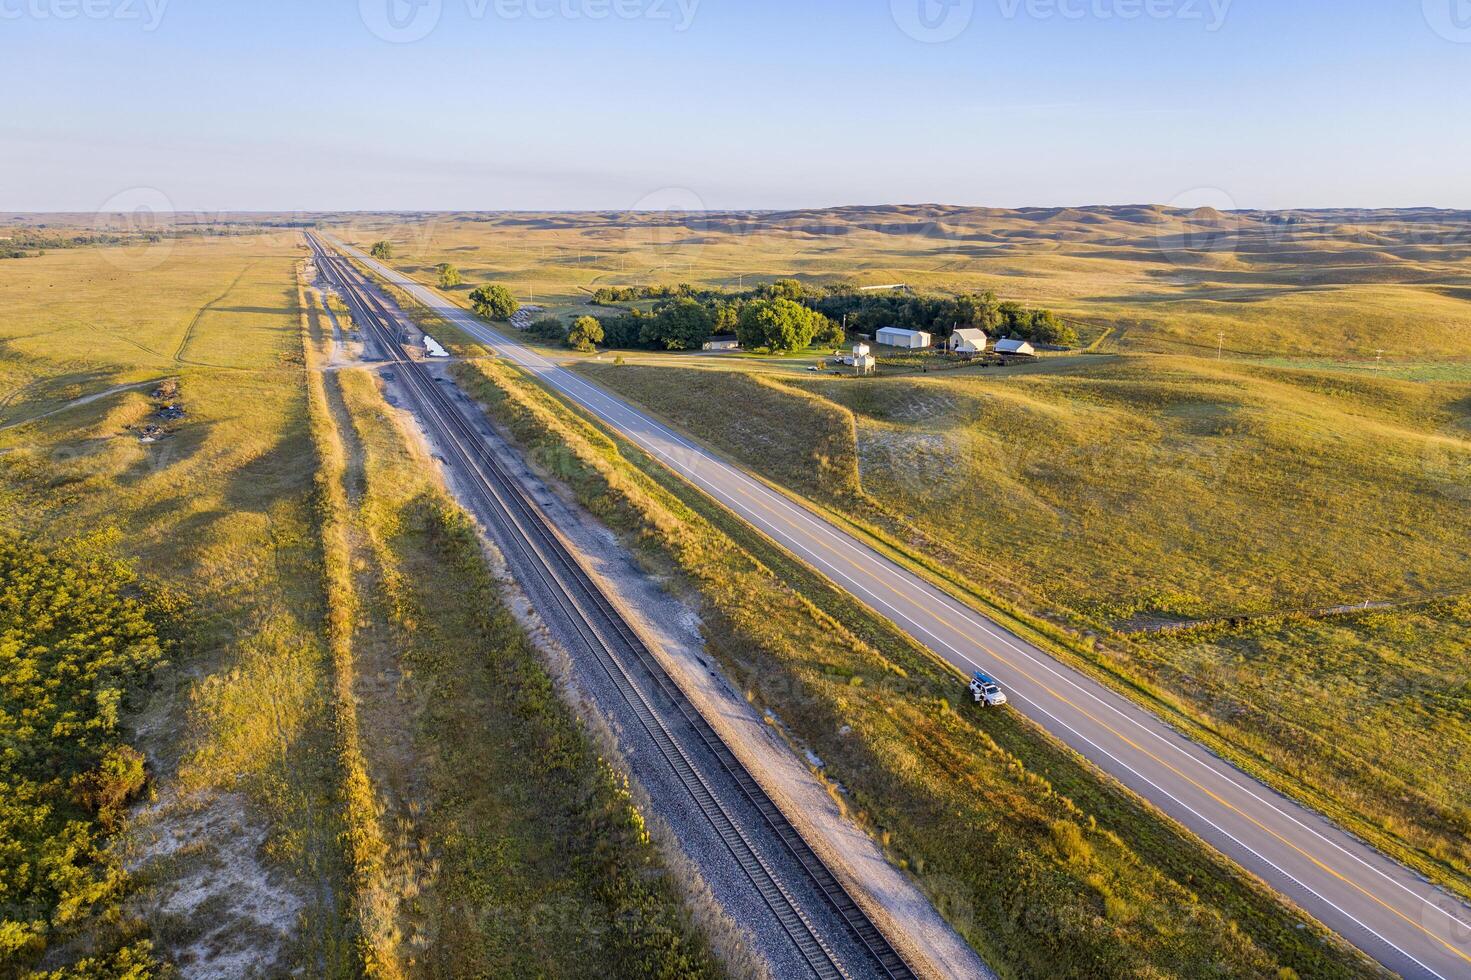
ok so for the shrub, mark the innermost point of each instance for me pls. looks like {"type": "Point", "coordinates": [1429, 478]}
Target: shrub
{"type": "Point", "coordinates": [117, 779]}
{"type": "Point", "coordinates": [548, 328]}
{"type": "Point", "coordinates": [449, 275]}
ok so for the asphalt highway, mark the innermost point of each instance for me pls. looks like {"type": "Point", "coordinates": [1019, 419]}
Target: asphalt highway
{"type": "Point", "coordinates": [1390, 912]}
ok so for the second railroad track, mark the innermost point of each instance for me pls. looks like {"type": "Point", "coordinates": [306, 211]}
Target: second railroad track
{"type": "Point", "coordinates": [623, 656]}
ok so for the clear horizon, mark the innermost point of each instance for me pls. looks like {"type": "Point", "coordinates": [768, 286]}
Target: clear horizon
{"type": "Point", "coordinates": [597, 105]}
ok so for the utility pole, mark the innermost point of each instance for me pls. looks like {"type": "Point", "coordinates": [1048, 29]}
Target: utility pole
{"type": "Point", "coordinates": [1220, 345]}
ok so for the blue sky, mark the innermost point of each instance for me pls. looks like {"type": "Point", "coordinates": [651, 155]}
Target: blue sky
{"type": "Point", "coordinates": [571, 104]}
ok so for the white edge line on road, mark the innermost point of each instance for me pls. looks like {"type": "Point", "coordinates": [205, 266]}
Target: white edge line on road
{"type": "Point", "coordinates": [885, 569]}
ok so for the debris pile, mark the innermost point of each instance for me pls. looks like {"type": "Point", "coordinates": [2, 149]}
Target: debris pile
{"type": "Point", "coordinates": [522, 318]}
{"type": "Point", "coordinates": [166, 410]}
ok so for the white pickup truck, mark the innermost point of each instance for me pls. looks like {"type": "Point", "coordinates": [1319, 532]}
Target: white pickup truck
{"type": "Point", "coordinates": [986, 691]}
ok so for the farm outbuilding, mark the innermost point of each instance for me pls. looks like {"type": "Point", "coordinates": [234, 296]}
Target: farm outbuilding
{"type": "Point", "coordinates": [967, 340]}
{"type": "Point", "coordinates": [722, 343]}
{"type": "Point", "coordinates": [1016, 347]}
{"type": "Point", "coordinates": [899, 337]}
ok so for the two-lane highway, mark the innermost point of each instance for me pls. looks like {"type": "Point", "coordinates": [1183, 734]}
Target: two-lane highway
{"type": "Point", "coordinates": [1385, 909]}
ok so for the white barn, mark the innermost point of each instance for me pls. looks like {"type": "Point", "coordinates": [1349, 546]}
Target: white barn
{"type": "Point", "coordinates": [898, 337]}
{"type": "Point", "coordinates": [1020, 347]}
{"type": "Point", "coordinates": [967, 340]}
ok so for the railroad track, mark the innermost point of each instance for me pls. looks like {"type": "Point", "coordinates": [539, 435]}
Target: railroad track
{"type": "Point", "coordinates": [622, 654]}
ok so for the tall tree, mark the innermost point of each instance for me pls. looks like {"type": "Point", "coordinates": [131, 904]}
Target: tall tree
{"type": "Point", "coordinates": [682, 324]}
{"type": "Point", "coordinates": [586, 333]}
{"type": "Point", "coordinates": [776, 325]}
{"type": "Point", "coordinates": [494, 302]}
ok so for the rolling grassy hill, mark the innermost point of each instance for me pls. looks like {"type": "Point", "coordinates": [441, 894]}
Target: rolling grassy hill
{"type": "Point", "coordinates": [1341, 284]}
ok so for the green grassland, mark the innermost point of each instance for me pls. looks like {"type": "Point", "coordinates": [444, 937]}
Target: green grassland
{"type": "Point", "coordinates": [1095, 883]}
{"type": "Point", "coordinates": [217, 517]}
{"type": "Point", "coordinates": [1111, 492]}
{"type": "Point", "coordinates": [281, 615]}
{"type": "Point", "coordinates": [1330, 284]}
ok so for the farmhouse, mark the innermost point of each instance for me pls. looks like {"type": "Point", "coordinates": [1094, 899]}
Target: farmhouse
{"type": "Point", "coordinates": [898, 337]}
{"type": "Point", "coordinates": [1016, 347]}
{"type": "Point", "coordinates": [968, 341]}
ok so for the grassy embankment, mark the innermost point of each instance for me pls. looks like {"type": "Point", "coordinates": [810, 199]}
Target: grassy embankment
{"type": "Point", "coordinates": [218, 518]}
{"type": "Point", "coordinates": [490, 837]}
{"type": "Point", "coordinates": [1046, 868]}
{"type": "Point", "coordinates": [1109, 493]}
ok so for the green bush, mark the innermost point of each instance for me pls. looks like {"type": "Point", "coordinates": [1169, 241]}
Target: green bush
{"type": "Point", "coordinates": [73, 641]}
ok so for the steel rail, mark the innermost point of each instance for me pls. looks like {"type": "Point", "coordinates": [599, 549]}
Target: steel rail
{"type": "Point", "coordinates": [609, 637]}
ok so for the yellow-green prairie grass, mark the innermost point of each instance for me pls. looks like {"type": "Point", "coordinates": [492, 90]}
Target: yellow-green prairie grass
{"type": "Point", "coordinates": [215, 510]}
{"type": "Point", "coordinates": [1118, 492]}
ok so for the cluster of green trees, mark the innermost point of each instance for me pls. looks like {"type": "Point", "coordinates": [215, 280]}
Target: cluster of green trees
{"type": "Point", "coordinates": [761, 319]}
{"type": "Point", "coordinates": [25, 243]}
{"type": "Point", "coordinates": [585, 333]}
{"type": "Point", "coordinates": [764, 317]}
{"type": "Point", "coordinates": [609, 295]}
{"type": "Point", "coordinates": [381, 250]}
{"type": "Point", "coordinates": [780, 316]}
{"type": "Point", "coordinates": [73, 642]}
